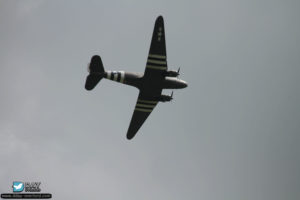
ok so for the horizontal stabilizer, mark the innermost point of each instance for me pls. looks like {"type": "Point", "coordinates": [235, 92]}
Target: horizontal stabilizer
{"type": "Point", "coordinates": [92, 80]}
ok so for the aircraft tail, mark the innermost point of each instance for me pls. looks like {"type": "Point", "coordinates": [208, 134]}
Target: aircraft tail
{"type": "Point", "coordinates": [96, 71]}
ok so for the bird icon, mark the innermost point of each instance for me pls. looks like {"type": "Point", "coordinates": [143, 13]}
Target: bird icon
{"type": "Point", "coordinates": [18, 186]}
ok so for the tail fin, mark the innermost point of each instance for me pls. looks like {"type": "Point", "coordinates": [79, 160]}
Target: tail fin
{"type": "Point", "coordinates": [96, 70]}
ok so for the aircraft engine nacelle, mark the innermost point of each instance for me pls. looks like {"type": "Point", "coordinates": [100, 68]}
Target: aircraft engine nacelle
{"type": "Point", "coordinates": [164, 98]}
{"type": "Point", "coordinates": [171, 73]}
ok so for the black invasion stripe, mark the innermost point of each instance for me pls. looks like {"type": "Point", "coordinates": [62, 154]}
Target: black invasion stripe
{"type": "Point", "coordinates": [119, 76]}
{"type": "Point", "coordinates": [159, 65]}
{"type": "Point", "coordinates": [112, 76]}
{"type": "Point", "coordinates": [150, 109]}
{"type": "Point", "coordinates": [152, 102]}
{"type": "Point", "coordinates": [146, 103]}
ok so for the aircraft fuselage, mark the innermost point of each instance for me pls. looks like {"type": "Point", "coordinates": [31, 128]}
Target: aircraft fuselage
{"type": "Point", "coordinates": [137, 80]}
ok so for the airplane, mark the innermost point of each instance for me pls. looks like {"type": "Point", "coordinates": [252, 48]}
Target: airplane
{"type": "Point", "coordinates": [150, 83]}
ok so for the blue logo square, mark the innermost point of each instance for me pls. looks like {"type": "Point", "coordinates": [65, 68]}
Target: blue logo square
{"type": "Point", "coordinates": [18, 186]}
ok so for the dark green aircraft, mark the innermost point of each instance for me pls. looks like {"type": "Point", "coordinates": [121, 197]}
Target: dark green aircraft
{"type": "Point", "coordinates": [155, 78]}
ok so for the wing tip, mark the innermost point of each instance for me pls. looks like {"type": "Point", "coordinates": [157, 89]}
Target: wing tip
{"type": "Point", "coordinates": [159, 18]}
{"type": "Point", "coordinates": [130, 134]}
{"type": "Point", "coordinates": [132, 130]}
{"type": "Point", "coordinates": [129, 137]}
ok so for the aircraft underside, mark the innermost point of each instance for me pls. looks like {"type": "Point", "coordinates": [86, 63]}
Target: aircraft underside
{"type": "Point", "coordinates": [137, 80]}
{"type": "Point", "coordinates": [155, 78]}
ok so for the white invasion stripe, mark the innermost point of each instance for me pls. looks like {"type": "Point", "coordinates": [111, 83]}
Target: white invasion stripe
{"type": "Point", "coordinates": [147, 101]}
{"type": "Point", "coordinates": [157, 56]}
{"type": "Point", "coordinates": [157, 61]}
{"type": "Point", "coordinates": [156, 67]}
{"type": "Point", "coordinates": [108, 74]}
{"type": "Point", "coordinates": [143, 110]}
{"type": "Point", "coordinates": [115, 75]}
{"type": "Point", "coordinates": [122, 76]}
{"type": "Point", "coordinates": [146, 106]}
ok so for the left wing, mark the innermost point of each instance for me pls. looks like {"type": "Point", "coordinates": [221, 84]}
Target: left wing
{"type": "Point", "coordinates": [157, 57]}
{"type": "Point", "coordinates": [143, 108]}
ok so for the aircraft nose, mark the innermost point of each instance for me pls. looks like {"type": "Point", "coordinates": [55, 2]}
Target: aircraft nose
{"type": "Point", "coordinates": [184, 84]}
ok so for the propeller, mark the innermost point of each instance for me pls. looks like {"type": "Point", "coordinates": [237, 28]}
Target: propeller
{"type": "Point", "coordinates": [172, 95]}
{"type": "Point", "coordinates": [178, 71]}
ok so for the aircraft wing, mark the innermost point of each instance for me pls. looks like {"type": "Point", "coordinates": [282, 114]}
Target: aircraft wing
{"type": "Point", "coordinates": [143, 108]}
{"type": "Point", "coordinates": [157, 57]}
{"type": "Point", "coordinates": [152, 80]}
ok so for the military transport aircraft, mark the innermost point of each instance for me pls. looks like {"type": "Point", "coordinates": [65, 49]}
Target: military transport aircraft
{"type": "Point", "coordinates": [155, 78]}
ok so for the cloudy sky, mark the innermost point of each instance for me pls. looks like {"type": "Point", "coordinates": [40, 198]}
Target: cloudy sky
{"type": "Point", "coordinates": [232, 134]}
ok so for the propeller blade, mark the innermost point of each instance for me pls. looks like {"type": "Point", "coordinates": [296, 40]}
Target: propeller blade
{"type": "Point", "coordinates": [172, 94]}
{"type": "Point", "coordinates": [178, 72]}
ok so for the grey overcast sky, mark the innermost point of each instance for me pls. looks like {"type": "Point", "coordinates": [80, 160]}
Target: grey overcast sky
{"type": "Point", "coordinates": [232, 134]}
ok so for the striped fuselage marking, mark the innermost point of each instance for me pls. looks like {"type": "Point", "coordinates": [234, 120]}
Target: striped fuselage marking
{"type": "Point", "coordinates": [145, 105]}
{"type": "Point", "coordinates": [157, 62]}
{"type": "Point", "coordinates": [118, 76]}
